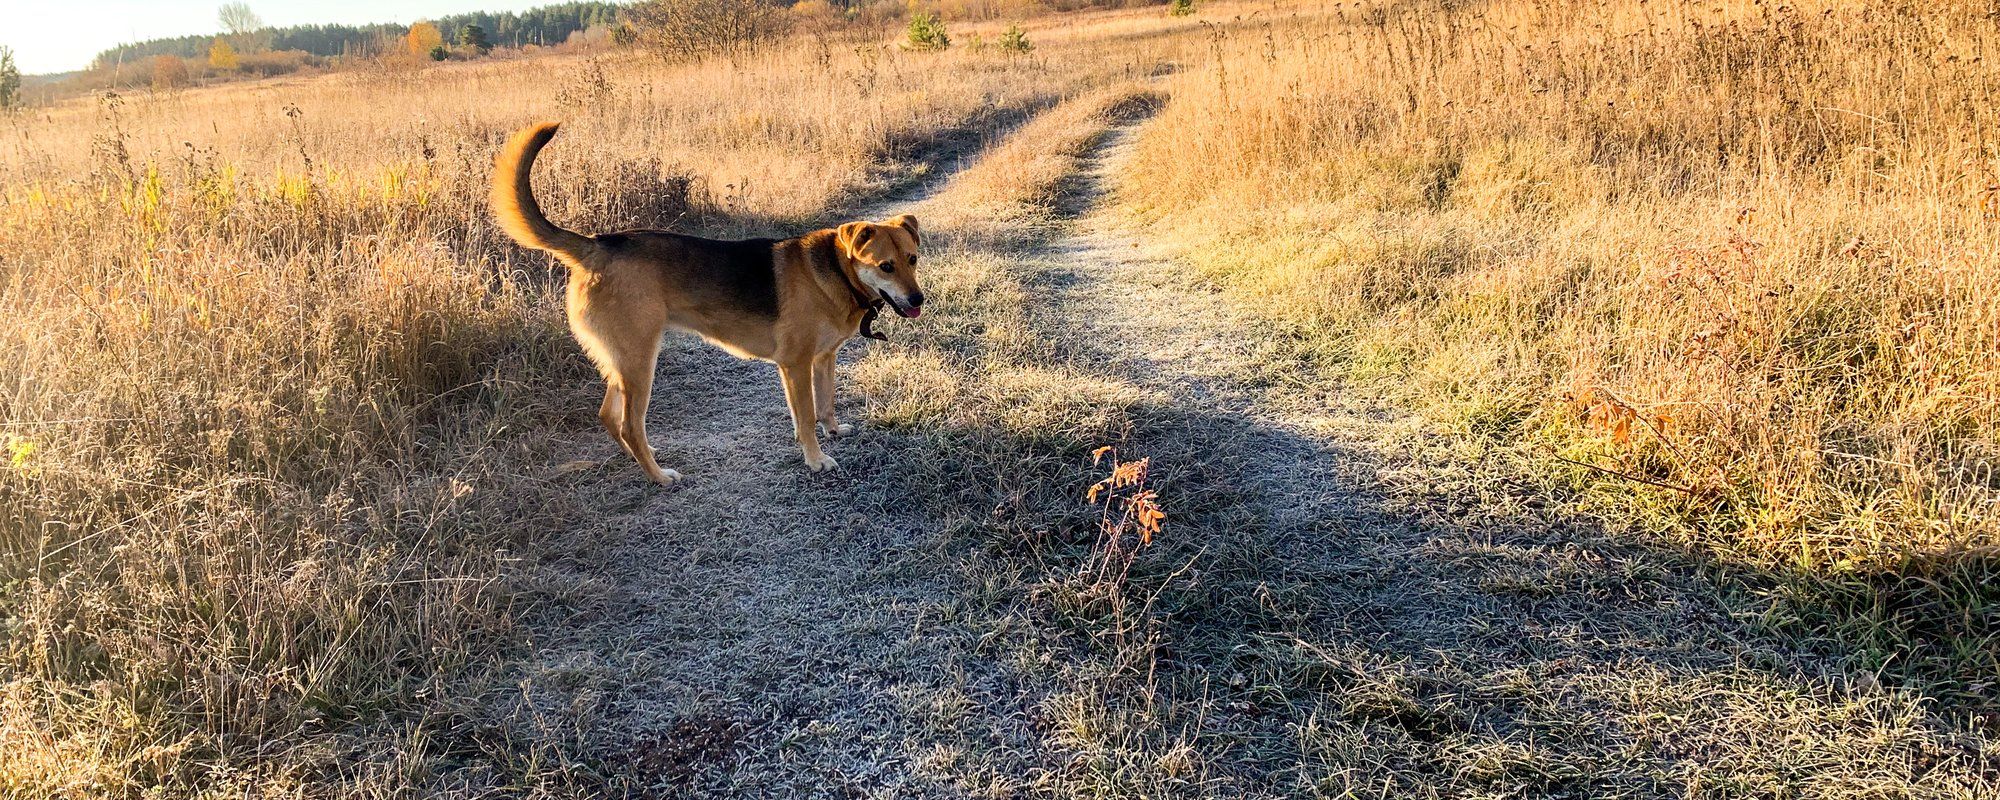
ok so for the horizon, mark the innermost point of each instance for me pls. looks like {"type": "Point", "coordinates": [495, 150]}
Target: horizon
{"type": "Point", "coordinates": [75, 46]}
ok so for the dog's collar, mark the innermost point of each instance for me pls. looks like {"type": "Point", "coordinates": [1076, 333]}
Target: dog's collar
{"type": "Point", "coordinates": [870, 308]}
{"type": "Point", "coordinates": [868, 321]}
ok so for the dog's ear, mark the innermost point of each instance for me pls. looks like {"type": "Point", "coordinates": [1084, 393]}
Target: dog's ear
{"type": "Point", "coordinates": [852, 236]}
{"type": "Point", "coordinates": [907, 222]}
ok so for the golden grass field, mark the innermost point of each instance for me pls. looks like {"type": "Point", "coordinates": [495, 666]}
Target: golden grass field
{"type": "Point", "coordinates": [1718, 272]}
{"type": "Point", "coordinates": [278, 437]}
{"type": "Point", "coordinates": [265, 338]}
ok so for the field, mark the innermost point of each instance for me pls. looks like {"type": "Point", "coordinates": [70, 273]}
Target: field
{"type": "Point", "coordinates": [1713, 274]}
{"type": "Point", "coordinates": [1544, 399]}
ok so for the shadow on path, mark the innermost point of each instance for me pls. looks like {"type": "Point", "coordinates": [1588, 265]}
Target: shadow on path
{"type": "Point", "coordinates": [1334, 637]}
{"type": "Point", "coordinates": [763, 631]}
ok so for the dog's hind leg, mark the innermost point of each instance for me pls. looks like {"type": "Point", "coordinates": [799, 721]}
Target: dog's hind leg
{"type": "Point", "coordinates": [636, 381]}
{"type": "Point", "coordinates": [612, 413]}
{"type": "Point", "coordinates": [798, 379]}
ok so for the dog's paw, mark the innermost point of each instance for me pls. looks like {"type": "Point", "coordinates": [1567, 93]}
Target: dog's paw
{"type": "Point", "coordinates": [667, 477]}
{"type": "Point", "coordinates": [836, 431]}
{"type": "Point", "coordinates": [823, 463]}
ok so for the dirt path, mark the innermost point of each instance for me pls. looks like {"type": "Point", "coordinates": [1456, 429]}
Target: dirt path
{"type": "Point", "coordinates": [763, 631]}
{"type": "Point", "coordinates": [1458, 654]}
{"type": "Point", "coordinates": [756, 629]}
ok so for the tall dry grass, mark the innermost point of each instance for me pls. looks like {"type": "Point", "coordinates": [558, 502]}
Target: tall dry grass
{"type": "Point", "coordinates": [1723, 268]}
{"type": "Point", "coordinates": [277, 396]}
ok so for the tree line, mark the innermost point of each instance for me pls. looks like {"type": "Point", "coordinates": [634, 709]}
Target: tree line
{"type": "Point", "coordinates": [547, 25]}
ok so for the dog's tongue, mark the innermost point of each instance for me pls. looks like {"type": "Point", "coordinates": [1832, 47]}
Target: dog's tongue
{"type": "Point", "coordinates": [912, 313]}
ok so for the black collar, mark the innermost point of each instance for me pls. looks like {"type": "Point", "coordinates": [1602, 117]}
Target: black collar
{"type": "Point", "coordinates": [872, 308]}
{"type": "Point", "coordinates": [868, 321]}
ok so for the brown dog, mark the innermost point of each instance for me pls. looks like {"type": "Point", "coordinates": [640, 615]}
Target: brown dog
{"type": "Point", "coordinates": [788, 301]}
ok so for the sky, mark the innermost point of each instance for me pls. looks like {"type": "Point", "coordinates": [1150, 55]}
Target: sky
{"type": "Point", "coordinates": [63, 35]}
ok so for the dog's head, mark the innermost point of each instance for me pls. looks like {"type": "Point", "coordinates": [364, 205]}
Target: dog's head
{"type": "Point", "coordinates": [883, 257]}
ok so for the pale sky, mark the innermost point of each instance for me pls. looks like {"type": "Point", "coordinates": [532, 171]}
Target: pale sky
{"type": "Point", "coordinates": [64, 35]}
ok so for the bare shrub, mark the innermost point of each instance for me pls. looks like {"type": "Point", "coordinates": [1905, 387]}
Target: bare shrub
{"type": "Point", "coordinates": [169, 72]}
{"type": "Point", "coordinates": [679, 30]}
{"type": "Point", "coordinates": [275, 62]}
{"type": "Point", "coordinates": [1129, 515]}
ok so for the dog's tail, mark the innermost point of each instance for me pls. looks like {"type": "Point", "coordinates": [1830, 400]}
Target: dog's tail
{"type": "Point", "coordinates": [514, 201]}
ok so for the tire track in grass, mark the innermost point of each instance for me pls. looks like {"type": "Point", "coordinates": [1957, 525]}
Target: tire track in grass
{"type": "Point", "coordinates": [1315, 635]}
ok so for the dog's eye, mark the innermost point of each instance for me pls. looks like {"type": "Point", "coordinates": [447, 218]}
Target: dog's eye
{"type": "Point", "coordinates": [913, 261]}
{"type": "Point", "coordinates": [888, 267]}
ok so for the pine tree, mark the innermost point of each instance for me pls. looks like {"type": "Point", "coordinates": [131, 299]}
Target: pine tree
{"type": "Point", "coordinates": [474, 37]}
{"type": "Point", "coordinates": [927, 32]}
{"type": "Point", "coordinates": [10, 78]}
{"type": "Point", "coordinates": [1015, 40]}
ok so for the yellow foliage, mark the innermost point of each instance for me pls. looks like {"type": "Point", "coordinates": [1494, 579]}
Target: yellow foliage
{"type": "Point", "coordinates": [222, 56]}
{"type": "Point", "coordinates": [20, 452]}
{"type": "Point", "coordinates": [422, 39]}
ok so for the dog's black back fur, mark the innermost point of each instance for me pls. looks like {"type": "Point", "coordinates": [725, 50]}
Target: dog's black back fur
{"type": "Point", "coordinates": [739, 274]}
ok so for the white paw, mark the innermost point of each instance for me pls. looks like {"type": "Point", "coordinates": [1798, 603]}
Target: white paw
{"type": "Point", "coordinates": [836, 431]}
{"type": "Point", "coordinates": [823, 463]}
{"type": "Point", "coordinates": [667, 477]}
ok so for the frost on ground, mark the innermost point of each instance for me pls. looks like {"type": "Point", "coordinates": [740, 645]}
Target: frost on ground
{"type": "Point", "coordinates": [904, 626]}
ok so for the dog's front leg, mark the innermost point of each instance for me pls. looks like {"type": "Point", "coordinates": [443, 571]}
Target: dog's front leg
{"type": "Point", "coordinates": [829, 420]}
{"type": "Point", "coordinates": [798, 379]}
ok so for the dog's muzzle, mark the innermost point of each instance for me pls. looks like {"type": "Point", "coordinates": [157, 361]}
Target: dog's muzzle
{"type": "Point", "coordinates": [910, 309]}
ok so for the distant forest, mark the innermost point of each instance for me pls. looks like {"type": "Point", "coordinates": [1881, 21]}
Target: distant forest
{"type": "Point", "coordinates": [546, 25]}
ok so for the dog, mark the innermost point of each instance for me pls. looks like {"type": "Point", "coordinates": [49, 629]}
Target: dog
{"type": "Point", "coordinates": [792, 302]}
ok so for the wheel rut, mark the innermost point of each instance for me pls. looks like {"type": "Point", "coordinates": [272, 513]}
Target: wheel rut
{"type": "Point", "coordinates": [1563, 659]}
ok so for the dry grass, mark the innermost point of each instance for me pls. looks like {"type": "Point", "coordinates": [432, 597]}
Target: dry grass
{"type": "Point", "coordinates": [1714, 271]}
{"type": "Point", "coordinates": [273, 496]}
{"type": "Point", "coordinates": [981, 369]}
{"type": "Point", "coordinates": [1285, 636]}
{"type": "Point", "coordinates": [275, 490]}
